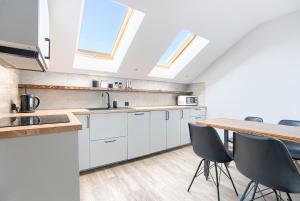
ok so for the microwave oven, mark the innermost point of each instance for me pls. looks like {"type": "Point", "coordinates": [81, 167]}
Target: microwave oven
{"type": "Point", "coordinates": [187, 100]}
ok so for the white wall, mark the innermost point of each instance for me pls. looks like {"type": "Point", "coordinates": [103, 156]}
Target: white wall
{"type": "Point", "coordinates": [259, 76]}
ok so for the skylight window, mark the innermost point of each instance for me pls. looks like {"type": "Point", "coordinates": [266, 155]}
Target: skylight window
{"type": "Point", "coordinates": [106, 32]}
{"type": "Point", "coordinates": [102, 28]}
{"type": "Point", "coordinates": [181, 42]}
{"type": "Point", "coordinates": [180, 53]}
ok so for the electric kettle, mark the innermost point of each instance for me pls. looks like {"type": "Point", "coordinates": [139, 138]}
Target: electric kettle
{"type": "Point", "coordinates": [29, 103]}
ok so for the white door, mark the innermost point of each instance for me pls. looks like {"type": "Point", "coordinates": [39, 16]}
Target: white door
{"type": "Point", "coordinates": [173, 128]}
{"type": "Point", "coordinates": [184, 128]}
{"type": "Point", "coordinates": [158, 131]}
{"type": "Point", "coordinates": [138, 134]}
{"type": "Point", "coordinates": [84, 143]}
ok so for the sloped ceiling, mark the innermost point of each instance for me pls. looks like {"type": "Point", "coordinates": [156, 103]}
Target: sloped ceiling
{"type": "Point", "coordinates": [224, 23]}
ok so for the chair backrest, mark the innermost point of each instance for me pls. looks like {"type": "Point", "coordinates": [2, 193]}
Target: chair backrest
{"type": "Point", "coordinates": [257, 119]}
{"type": "Point", "coordinates": [289, 122]}
{"type": "Point", "coordinates": [266, 161]}
{"type": "Point", "coordinates": [207, 144]}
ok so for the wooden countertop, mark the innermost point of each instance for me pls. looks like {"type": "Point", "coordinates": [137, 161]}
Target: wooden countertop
{"type": "Point", "coordinates": [74, 124]}
{"type": "Point", "coordinates": [22, 131]}
{"type": "Point", "coordinates": [132, 109]}
{"type": "Point", "coordinates": [288, 133]}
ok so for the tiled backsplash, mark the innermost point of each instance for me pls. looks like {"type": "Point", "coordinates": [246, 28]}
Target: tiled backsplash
{"type": "Point", "coordinates": [55, 99]}
{"type": "Point", "coordinates": [8, 88]}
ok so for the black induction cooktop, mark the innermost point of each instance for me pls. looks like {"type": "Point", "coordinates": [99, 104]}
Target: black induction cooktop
{"type": "Point", "coordinates": [33, 120]}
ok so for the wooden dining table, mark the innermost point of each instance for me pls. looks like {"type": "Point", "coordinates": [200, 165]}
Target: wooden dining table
{"type": "Point", "coordinates": [282, 132]}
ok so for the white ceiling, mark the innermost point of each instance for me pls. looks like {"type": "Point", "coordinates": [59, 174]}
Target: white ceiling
{"type": "Point", "coordinates": [224, 23]}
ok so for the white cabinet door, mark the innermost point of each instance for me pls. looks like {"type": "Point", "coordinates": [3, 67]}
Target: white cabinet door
{"type": "Point", "coordinates": [173, 128]}
{"type": "Point", "coordinates": [158, 131]}
{"type": "Point", "coordinates": [43, 30]}
{"type": "Point", "coordinates": [84, 143]}
{"type": "Point", "coordinates": [104, 152]}
{"type": "Point", "coordinates": [184, 127]}
{"type": "Point", "coordinates": [138, 134]}
{"type": "Point", "coordinates": [103, 126]}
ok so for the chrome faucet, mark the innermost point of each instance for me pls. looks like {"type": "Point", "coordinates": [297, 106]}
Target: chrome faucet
{"type": "Point", "coordinates": [108, 100]}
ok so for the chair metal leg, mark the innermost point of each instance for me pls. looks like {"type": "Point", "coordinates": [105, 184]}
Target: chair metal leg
{"type": "Point", "coordinates": [231, 181]}
{"type": "Point", "coordinates": [206, 169]}
{"type": "Point", "coordinates": [254, 191]}
{"type": "Point", "coordinates": [216, 168]}
{"type": "Point", "coordinates": [195, 175]}
{"type": "Point", "coordinates": [277, 196]}
{"type": "Point", "coordinates": [246, 190]}
{"type": "Point", "coordinates": [289, 197]}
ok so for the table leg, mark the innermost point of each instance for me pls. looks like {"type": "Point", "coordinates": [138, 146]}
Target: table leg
{"type": "Point", "coordinates": [226, 138]}
{"type": "Point", "coordinates": [206, 168]}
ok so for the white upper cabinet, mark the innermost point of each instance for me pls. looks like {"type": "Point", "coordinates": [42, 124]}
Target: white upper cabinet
{"type": "Point", "coordinates": [173, 128]}
{"type": "Point", "coordinates": [24, 34]}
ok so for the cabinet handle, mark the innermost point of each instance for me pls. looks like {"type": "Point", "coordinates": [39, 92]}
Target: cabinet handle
{"type": "Point", "coordinates": [167, 115]}
{"type": "Point", "coordinates": [109, 141]}
{"type": "Point", "coordinates": [49, 48]}
{"type": "Point", "coordinates": [181, 114]}
{"type": "Point", "coordinates": [88, 122]}
{"type": "Point", "coordinates": [138, 113]}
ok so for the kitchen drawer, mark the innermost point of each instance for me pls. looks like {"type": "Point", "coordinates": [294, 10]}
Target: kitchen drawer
{"type": "Point", "coordinates": [104, 152]}
{"type": "Point", "coordinates": [195, 119]}
{"type": "Point", "coordinates": [103, 126]}
{"type": "Point", "coordinates": [198, 112]}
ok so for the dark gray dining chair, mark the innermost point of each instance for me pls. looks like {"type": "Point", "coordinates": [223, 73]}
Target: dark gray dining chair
{"type": "Point", "coordinates": [256, 119]}
{"type": "Point", "coordinates": [265, 161]}
{"type": "Point", "coordinates": [208, 145]}
{"type": "Point", "coordinates": [293, 147]}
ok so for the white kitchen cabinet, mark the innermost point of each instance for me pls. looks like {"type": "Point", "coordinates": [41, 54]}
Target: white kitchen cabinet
{"type": "Point", "coordinates": [173, 128]}
{"type": "Point", "coordinates": [103, 126]}
{"type": "Point", "coordinates": [184, 127]}
{"type": "Point", "coordinates": [107, 151]}
{"type": "Point", "coordinates": [84, 143]}
{"type": "Point", "coordinates": [25, 31]}
{"type": "Point", "coordinates": [158, 131]}
{"type": "Point", "coordinates": [138, 134]}
{"type": "Point", "coordinates": [196, 112]}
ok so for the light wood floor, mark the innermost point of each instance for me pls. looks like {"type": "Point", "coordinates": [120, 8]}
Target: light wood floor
{"type": "Point", "coordinates": [162, 177]}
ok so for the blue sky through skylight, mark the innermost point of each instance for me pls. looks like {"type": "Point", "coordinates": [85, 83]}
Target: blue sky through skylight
{"type": "Point", "coordinates": [101, 23]}
{"type": "Point", "coordinates": [180, 39]}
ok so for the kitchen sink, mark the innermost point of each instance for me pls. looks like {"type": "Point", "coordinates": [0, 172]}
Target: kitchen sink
{"type": "Point", "coordinates": [101, 108]}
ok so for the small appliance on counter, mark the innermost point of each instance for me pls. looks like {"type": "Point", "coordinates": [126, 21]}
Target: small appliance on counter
{"type": "Point", "coordinates": [28, 103]}
{"type": "Point", "coordinates": [187, 100]}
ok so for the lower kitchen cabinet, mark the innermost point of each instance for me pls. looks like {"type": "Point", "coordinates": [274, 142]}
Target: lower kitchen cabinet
{"type": "Point", "coordinates": [105, 126]}
{"type": "Point", "coordinates": [138, 134]}
{"type": "Point", "coordinates": [184, 127]}
{"type": "Point", "coordinates": [84, 143]}
{"type": "Point", "coordinates": [158, 131]}
{"type": "Point", "coordinates": [173, 128]}
{"type": "Point", "coordinates": [104, 152]}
